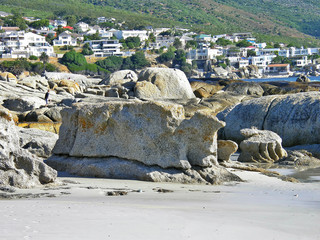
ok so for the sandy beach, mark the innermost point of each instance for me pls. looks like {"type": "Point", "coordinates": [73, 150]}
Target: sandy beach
{"type": "Point", "coordinates": [259, 208]}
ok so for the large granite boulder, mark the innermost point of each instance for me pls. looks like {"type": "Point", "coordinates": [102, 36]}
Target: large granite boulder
{"type": "Point", "coordinates": [7, 76]}
{"type": "Point", "coordinates": [120, 77]}
{"type": "Point", "coordinates": [18, 167]}
{"type": "Point", "coordinates": [143, 134]}
{"type": "Point", "coordinates": [294, 117]}
{"type": "Point", "coordinates": [225, 149]}
{"type": "Point", "coordinates": [23, 104]}
{"type": "Point", "coordinates": [157, 83]}
{"type": "Point", "coordinates": [260, 146]}
{"type": "Point", "coordinates": [303, 78]}
{"type": "Point", "coordinates": [204, 90]}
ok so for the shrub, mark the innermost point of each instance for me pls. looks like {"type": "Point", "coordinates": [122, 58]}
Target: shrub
{"type": "Point", "coordinates": [32, 57]}
{"type": "Point", "coordinates": [166, 57]}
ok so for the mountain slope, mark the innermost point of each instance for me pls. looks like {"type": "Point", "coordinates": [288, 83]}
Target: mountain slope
{"type": "Point", "coordinates": [283, 19]}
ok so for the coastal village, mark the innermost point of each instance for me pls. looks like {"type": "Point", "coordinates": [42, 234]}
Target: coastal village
{"type": "Point", "coordinates": [209, 56]}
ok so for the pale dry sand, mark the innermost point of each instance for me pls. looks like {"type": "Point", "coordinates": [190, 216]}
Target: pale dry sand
{"type": "Point", "coordinates": [261, 208]}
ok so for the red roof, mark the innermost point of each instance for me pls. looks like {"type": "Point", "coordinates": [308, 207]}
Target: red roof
{"type": "Point", "coordinates": [279, 65]}
{"type": "Point", "coordinates": [68, 27]}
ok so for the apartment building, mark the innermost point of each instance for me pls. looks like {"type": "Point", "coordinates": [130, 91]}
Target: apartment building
{"type": "Point", "coordinates": [105, 48]}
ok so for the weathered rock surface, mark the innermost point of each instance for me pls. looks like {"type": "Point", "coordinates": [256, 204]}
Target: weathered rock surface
{"type": "Point", "coordinates": [37, 142]}
{"type": "Point", "coordinates": [300, 158]}
{"type": "Point", "coordinates": [18, 167]}
{"type": "Point", "coordinates": [245, 88]}
{"type": "Point", "coordinates": [204, 90]}
{"type": "Point", "coordinates": [118, 168]}
{"type": "Point", "coordinates": [152, 133]}
{"type": "Point", "coordinates": [7, 76]}
{"type": "Point", "coordinates": [251, 71]}
{"type": "Point", "coordinates": [303, 78]}
{"type": "Point", "coordinates": [120, 77]}
{"type": "Point", "coordinates": [157, 83]}
{"type": "Point", "coordinates": [23, 104]}
{"type": "Point", "coordinates": [260, 146]}
{"type": "Point", "coordinates": [213, 105]}
{"type": "Point", "coordinates": [294, 117]}
{"type": "Point", "coordinates": [142, 137]}
{"type": "Point", "coordinates": [314, 149]}
{"type": "Point", "coordinates": [225, 149]}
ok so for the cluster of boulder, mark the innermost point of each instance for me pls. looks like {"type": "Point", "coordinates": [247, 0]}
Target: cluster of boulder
{"type": "Point", "coordinates": [154, 126]}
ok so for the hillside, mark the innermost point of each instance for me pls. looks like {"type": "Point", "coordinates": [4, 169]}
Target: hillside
{"type": "Point", "coordinates": [284, 20]}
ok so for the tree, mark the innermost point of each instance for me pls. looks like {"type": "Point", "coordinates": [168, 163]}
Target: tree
{"type": "Point", "coordinates": [44, 58]}
{"type": "Point", "coordinates": [177, 43]}
{"type": "Point", "coordinates": [223, 42]}
{"type": "Point", "coordinates": [16, 20]}
{"type": "Point", "coordinates": [280, 59]}
{"type": "Point", "coordinates": [243, 43]}
{"type": "Point", "coordinates": [86, 49]}
{"type": "Point", "coordinates": [132, 42]}
{"type": "Point", "coordinates": [72, 57]}
{"type": "Point", "coordinates": [276, 45]}
{"type": "Point", "coordinates": [166, 57]}
{"type": "Point", "coordinates": [112, 63]}
{"type": "Point", "coordinates": [139, 60]}
{"type": "Point", "coordinates": [72, 20]}
{"type": "Point", "coordinates": [251, 53]}
{"type": "Point", "coordinates": [191, 44]}
{"type": "Point", "coordinates": [39, 24]}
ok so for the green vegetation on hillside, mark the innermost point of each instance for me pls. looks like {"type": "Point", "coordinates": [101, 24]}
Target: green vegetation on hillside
{"type": "Point", "coordinates": [282, 20]}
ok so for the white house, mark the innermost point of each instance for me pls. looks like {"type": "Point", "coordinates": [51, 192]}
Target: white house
{"type": "Point", "coordinates": [278, 69]}
{"type": "Point", "coordinates": [268, 51]}
{"type": "Point", "coordinates": [302, 61]}
{"type": "Point", "coordinates": [65, 39]}
{"type": "Point", "coordinates": [84, 27]}
{"type": "Point", "coordinates": [123, 34]}
{"type": "Point", "coordinates": [162, 41]}
{"type": "Point", "coordinates": [203, 54]}
{"type": "Point", "coordinates": [261, 61]}
{"type": "Point", "coordinates": [106, 48]}
{"type": "Point", "coordinates": [59, 22]}
{"type": "Point", "coordinates": [21, 44]}
{"type": "Point", "coordinates": [293, 52]}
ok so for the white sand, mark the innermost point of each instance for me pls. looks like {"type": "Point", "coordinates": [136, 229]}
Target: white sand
{"type": "Point", "coordinates": [261, 208]}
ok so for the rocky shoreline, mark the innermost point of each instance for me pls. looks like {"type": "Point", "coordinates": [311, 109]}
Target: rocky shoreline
{"type": "Point", "coordinates": [153, 126]}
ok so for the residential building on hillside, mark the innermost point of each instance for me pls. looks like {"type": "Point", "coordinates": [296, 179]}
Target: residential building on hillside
{"type": "Point", "coordinates": [65, 39]}
{"type": "Point", "coordinates": [261, 61]}
{"type": "Point", "coordinates": [105, 48]}
{"type": "Point", "coordinates": [59, 22]}
{"type": "Point", "coordinates": [82, 26]}
{"type": "Point", "coordinates": [268, 51]}
{"type": "Point", "coordinates": [203, 38]}
{"type": "Point", "coordinates": [301, 62]}
{"type": "Point", "coordinates": [123, 34]}
{"type": "Point", "coordinates": [242, 36]}
{"type": "Point", "coordinates": [203, 54]}
{"type": "Point", "coordinates": [293, 52]}
{"type": "Point", "coordinates": [162, 41]}
{"type": "Point", "coordinates": [21, 44]}
{"type": "Point", "coordinates": [278, 69]}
